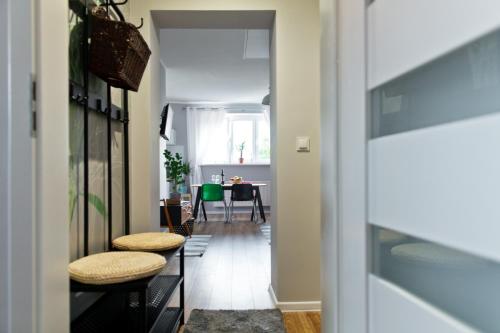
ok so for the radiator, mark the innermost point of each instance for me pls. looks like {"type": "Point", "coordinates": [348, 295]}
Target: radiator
{"type": "Point", "coordinates": [265, 193]}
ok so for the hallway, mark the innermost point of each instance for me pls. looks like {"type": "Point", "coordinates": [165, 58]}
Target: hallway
{"type": "Point", "coordinates": [234, 273]}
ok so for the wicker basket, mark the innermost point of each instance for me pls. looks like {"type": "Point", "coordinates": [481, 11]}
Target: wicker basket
{"type": "Point", "coordinates": [118, 53]}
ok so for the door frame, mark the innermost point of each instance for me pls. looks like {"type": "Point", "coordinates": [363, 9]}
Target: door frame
{"type": "Point", "coordinates": [34, 252]}
{"type": "Point", "coordinates": [17, 228]}
{"type": "Point", "coordinates": [352, 158]}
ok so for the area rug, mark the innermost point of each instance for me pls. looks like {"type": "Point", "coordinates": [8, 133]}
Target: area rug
{"type": "Point", "coordinates": [235, 321]}
{"type": "Point", "coordinates": [196, 245]}
{"type": "Point", "coordinates": [266, 231]}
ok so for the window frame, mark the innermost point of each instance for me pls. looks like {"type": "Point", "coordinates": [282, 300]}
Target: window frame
{"type": "Point", "coordinates": [254, 118]}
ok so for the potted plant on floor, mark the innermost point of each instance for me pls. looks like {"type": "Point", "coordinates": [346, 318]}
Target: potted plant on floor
{"type": "Point", "coordinates": [241, 147]}
{"type": "Point", "coordinates": [176, 170]}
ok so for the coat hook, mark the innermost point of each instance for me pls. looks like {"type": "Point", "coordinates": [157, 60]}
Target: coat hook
{"type": "Point", "coordinates": [81, 99]}
{"type": "Point", "coordinates": [140, 25]}
{"type": "Point", "coordinates": [98, 105]}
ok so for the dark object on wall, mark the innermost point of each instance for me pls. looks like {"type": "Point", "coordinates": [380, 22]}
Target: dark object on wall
{"type": "Point", "coordinates": [118, 53]}
{"type": "Point", "coordinates": [167, 116]}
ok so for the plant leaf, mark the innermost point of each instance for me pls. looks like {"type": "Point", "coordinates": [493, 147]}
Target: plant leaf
{"type": "Point", "coordinates": [98, 204]}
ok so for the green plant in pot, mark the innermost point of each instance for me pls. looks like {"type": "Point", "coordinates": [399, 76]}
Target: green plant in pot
{"type": "Point", "coordinates": [176, 170]}
{"type": "Point", "coordinates": [241, 148]}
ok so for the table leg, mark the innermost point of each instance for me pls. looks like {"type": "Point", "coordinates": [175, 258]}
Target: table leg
{"type": "Point", "coordinates": [181, 298]}
{"type": "Point", "coordinates": [204, 211]}
{"type": "Point", "coordinates": [253, 210]}
{"type": "Point", "coordinates": [261, 208]}
{"type": "Point", "coordinates": [197, 203]}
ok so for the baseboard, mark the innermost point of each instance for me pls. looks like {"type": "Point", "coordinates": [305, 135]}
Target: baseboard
{"type": "Point", "coordinates": [294, 306]}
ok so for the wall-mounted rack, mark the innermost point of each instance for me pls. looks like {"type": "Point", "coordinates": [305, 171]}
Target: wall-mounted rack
{"type": "Point", "coordinates": [92, 102]}
{"type": "Point", "coordinates": [95, 102]}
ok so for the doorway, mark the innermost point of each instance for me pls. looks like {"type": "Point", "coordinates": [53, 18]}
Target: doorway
{"type": "Point", "coordinates": [215, 83]}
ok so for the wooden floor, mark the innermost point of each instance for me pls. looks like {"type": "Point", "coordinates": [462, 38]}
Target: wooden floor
{"type": "Point", "coordinates": [235, 273]}
{"type": "Point", "coordinates": [302, 322]}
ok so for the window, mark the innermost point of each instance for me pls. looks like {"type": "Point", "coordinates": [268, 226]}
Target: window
{"type": "Point", "coordinates": [250, 132]}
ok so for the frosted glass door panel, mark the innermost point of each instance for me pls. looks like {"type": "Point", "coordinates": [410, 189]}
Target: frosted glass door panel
{"type": "Point", "coordinates": [460, 85]}
{"type": "Point", "coordinates": [405, 34]}
{"type": "Point", "coordinates": [465, 286]}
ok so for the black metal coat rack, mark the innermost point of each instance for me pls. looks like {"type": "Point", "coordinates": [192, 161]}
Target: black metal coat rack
{"type": "Point", "coordinates": [93, 103]}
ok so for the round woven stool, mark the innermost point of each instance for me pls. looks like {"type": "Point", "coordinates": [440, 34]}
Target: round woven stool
{"type": "Point", "coordinates": [115, 267]}
{"type": "Point", "coordinates": [149, 241]}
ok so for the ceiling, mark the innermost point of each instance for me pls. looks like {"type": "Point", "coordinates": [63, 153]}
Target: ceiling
{"type": "Point", "coordinates": [213, 19]}
{"type": "Point", "coordinates": [210, 65]}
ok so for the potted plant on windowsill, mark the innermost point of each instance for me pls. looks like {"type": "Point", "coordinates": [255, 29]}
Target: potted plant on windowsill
{"type": "Point", "coordinates": [241, 147]}
{"type": "Point", "coordinates": [176, 170]}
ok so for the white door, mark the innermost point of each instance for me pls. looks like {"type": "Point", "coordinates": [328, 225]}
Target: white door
{"type": "Point", "coordinates": [433, 180]}
{"type": "Point", "coordinates": [419, 159]}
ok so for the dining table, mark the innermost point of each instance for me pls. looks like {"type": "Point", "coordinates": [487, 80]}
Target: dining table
{"type": "Point", "coordinates": [228, 187]}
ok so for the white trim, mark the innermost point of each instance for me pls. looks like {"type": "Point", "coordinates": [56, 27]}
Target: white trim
{"type": "Point", "coordinates": [294, 306]}
{"type": "Point", "coordinates": [329, 168]}
{"type": "Point", "coordinates": [352, 307]}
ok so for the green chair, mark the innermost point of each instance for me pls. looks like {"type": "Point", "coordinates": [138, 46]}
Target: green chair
{"type": "Point", "coordinates": [213, 193]}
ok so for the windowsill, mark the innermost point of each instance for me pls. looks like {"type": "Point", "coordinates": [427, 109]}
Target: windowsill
{"type": "Point", "coordinates": [236, 164]}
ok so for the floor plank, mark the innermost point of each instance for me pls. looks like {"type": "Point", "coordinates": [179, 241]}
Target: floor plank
{"type": "Point", "coordinates": [302, 322]}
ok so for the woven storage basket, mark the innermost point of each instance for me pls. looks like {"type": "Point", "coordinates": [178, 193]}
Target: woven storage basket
{"type": "Point", "coordinates": [115, 267]}
{"type": "Point", "coordinates": [118, 53]}
{"type": "Point", "coordinates": [181, 230]}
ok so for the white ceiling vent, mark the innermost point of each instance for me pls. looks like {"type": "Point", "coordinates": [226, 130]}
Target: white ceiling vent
{"type": "Point", "coordinates": [256, 44]}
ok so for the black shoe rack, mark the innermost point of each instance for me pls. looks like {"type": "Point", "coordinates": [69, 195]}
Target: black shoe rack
{"type": "Point", "coordinates": [134, 307]}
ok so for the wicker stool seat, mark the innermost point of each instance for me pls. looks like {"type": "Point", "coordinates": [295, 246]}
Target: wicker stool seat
{"type": "Point", "coordinates": [149, 241]}
{"type": "Point", "coordinates": [115, 267]}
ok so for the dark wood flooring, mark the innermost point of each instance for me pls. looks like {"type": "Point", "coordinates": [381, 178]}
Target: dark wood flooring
{"type": "Point", "coordinates": [235, 272]}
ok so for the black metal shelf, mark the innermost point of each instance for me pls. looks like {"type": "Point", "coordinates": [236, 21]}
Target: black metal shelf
{"type": "Point", "coordinates": [160, 294]}
{"type": "Point", "coordinates": [136, 306]}
{"type": "Point", "coordinates": [169, 321]}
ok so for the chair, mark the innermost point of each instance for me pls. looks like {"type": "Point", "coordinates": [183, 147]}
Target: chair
{"type": "Point", "coordinates": [242, 192]}
{"type": "Point", "coordinates": [213, 193]}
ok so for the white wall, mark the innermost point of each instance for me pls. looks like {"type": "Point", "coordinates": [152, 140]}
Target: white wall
{"type": "Point", "coordinates": [52, 220]}
{"type": "Point", "coordinates": [295, 249]}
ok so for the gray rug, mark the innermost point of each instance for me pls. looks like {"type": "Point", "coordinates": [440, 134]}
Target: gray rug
{"type": "Point", "coordinates": [235, 321]}
{"type": "Point", "coordinates": [266, 231]}
{"type": "Point", "coordinates": [196, 245]}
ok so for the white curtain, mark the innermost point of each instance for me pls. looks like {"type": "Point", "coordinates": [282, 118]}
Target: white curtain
{"type": "Point", "coordinates": [207, 140]}
{"type": "Point", "coordinates": [267, 114]}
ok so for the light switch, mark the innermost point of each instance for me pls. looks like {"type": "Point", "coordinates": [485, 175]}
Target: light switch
{"type": "Point", "coordinates": [303, 144]}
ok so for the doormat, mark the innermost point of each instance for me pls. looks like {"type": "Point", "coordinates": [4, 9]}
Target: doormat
{"type": "Point", "coordinates": [235, 321]}
{"type": "Point", "coordinates": [266, 231]}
